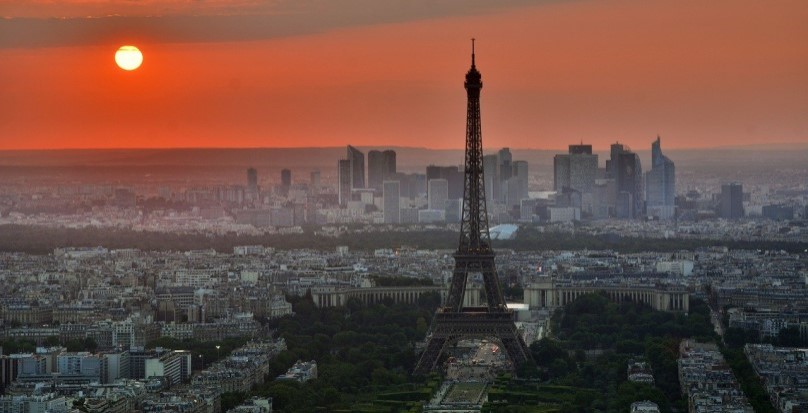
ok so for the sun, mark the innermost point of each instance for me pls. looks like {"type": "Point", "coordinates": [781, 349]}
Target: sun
{"type": "Point", "coordinates": [128, 57]}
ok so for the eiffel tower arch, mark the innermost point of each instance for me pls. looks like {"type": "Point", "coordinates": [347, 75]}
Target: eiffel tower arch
{"type": "Point", "coordinates": [474, 254]}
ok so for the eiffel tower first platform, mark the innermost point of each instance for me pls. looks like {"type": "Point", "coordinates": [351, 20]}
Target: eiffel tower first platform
{"type": "Point", "coordinates": [453, 322]}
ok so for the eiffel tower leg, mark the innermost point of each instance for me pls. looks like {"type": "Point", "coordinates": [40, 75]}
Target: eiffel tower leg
{"type": "Point", "coordinates": [516, 349]}
{"type": "Point", "coordinates": [429, 358]}
{"type": "Point", "coordinates": [493, 294]}
{"type": "Point", "coordinates": [457, 289]}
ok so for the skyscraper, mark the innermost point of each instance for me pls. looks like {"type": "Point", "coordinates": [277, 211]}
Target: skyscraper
{"type": "Point", "coordinates": [286, 181]}
{"type": "Point", "coordinates": [252, 179]}
{"type": "Point", "coordinates": [505, 158]}
{"type": "Point", "coordinates": [583, 168]}
{"type": "Point", "coordinates": [437, 193]}
{"type": "Point", "coordinates": [511, 193]}
{"type": "Point", "coordinates": [286, 177]}
{"type": "Point", "coordinates": [392, 202]}
{"type": "Point", "coordinates": [626, 170]}
{"type": "Point", "coordinates": [389, 163]}
{"type": "Point", "coordinates": [375, 169]}
{"type": "Point", "coordinates": [514, 189]}
{"type": "Point", "coordinates": [314, 186]}
{"type": "Point", "coordinates": [491, 177]}
{"type": "Point", "coordinates": [731, 203]}
{"type": "Point", "coordinates": [412, 185]}
{"type": "Point", "coordinates": [452, 175]}
{"type": "Point", "coordinates": [577, 170]}
{"type": "Point", "coordinates": [520, 172]}
{"type": "Point", "coordinates": [344, 179]}
{"type": "Point", "coordinates": [381, 167]}
{"type": "Point", "coordinates": [580, 149]}
{"type": "Point", "coordinates": [660, 184]}
{"type": "Point", "coordinates": [357, 162]}
{"type": "Point", "coordinates": [611, 164]}
{"type": "Point", "coordinates": [561, 172]}
{"type": "Point", "coordinates": [629, 183]}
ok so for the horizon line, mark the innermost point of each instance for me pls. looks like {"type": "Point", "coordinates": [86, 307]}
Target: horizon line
{"type": "Point", "coordinates": [67, 149]}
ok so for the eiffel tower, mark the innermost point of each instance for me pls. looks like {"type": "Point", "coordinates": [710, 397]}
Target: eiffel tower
{"type": "Point", "coordinates": [453, 322]}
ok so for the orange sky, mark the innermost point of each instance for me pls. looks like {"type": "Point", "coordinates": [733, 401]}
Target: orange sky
{"type": "Point", "coordinates": [699, 73]}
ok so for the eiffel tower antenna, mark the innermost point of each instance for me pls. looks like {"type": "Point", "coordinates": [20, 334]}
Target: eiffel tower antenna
{"type": "Point", "coordinates": [472, 51]}
{"type": "Point", "coordinates": [453, 321]}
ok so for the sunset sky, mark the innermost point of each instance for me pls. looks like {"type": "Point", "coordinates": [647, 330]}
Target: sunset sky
{"type": "Point", "coordinates": [292, 73]}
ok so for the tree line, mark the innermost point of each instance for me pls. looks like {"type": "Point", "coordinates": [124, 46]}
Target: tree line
{"type": "Point", "coordinates": [34, 239]}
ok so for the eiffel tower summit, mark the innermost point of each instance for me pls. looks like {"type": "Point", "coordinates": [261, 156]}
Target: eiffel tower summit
{"type": "Point", "coordinates": [474, 254]}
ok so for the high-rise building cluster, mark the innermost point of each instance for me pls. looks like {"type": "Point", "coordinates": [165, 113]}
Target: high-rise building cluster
{"type": "Point", "coordinates": [431, 197]}
{"type": "Point", "coordinates": [618, 190]}
{"type": "Point", "coordinates": [351, 173]}
{"type": "Point", "coordinates": [506, 180]}
{"type": "Point", "coordinates": [375, 191]}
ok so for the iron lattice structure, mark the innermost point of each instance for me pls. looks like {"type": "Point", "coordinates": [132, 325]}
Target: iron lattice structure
{"type": "Point", "coordinates": [453, 322]}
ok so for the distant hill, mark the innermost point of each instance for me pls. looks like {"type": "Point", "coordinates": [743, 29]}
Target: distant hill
{"type": "Point", "coordinates": [229, 164]}
{"type": "Point", "coordinates": [409, 159]}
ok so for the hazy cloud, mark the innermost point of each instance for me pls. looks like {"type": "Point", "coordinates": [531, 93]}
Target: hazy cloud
{"type": "Point", "coordinates": [101, 8]}
{"type": "Point", "coordinates": [215, 20]}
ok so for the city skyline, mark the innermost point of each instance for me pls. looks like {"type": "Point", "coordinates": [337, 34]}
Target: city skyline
{"type": "Point", "coordinates": [700, 75]}
{"type": "Point", "coordinates": [324, 276]}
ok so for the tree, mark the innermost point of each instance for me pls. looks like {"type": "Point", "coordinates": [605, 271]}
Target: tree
{"type": "Point", "coordinates": [421, 326]}
{"type": "Point", "coordinates": [430, 301]}
{"type": "Point", "coordinates": [232, 399]}
{"type": "Point", "coordinates": [19, 345]}
{"type": "Point", "coordinates": [547, 350]}
{"type": "Point", "coordinates": [85, 344]}
{"type": "Point", "coordinates": [52, 341]}
{"type": "Point", "coordinates": [737, 337]}
{"type": "Point", "coordinates": [629, 392]}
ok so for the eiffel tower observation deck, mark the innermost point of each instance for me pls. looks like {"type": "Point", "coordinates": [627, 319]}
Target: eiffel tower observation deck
{"type": "Point", "coordinates": [474, 254]}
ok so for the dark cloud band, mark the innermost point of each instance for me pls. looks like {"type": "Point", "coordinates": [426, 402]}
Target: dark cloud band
{"type": "Point", "coordinates": [318, 16]}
